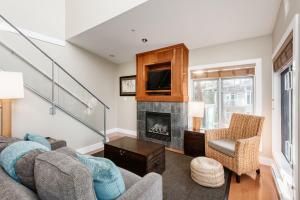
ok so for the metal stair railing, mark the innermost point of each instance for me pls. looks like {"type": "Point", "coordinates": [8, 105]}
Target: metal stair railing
{"type": "Point", "coordinates": [57, 87]}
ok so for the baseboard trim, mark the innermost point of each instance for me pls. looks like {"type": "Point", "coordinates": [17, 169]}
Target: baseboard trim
{"type": "Point", "coordinates": [100, 145]}
{"type": "Point", "coordinates": [121, 130]}
{"type": "Point", "coordinates": [112, 130]}
{"type": "Point", "coordinates": [174, 150]}
{"type": "Point", "coordinates": [266, 161]}
{"type": "Point", "coordinates": [280, 186]}
{"type": "Point", "coordinates": [90, 148]}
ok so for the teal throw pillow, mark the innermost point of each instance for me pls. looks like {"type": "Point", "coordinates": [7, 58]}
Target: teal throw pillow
{"type": "Point", "coordinates": [108, 181]}
{"type": "Point", "coordinates": [37, 138]}
{"type": "Point", "coordinates": [11, 154]}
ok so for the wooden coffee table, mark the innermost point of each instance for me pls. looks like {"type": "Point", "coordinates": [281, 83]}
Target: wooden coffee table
{"type": "Point", "coordinates": [137, 156]}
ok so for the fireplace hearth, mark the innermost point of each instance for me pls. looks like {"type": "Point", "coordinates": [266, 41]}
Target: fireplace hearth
{"type": "Point", "coordinates": [158, 126]}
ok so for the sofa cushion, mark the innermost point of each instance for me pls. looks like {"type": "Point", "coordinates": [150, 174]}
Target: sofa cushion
{"type": "Point", "coordinates": [108, 181]}
{"type": "Point", "coordinates": [25, 168]}
{"type": "Point", "coordinates": [6, 141]}
{"type": "Point", "coordinates": [12, 190]}
{"type": "Point", "coordinates": [37, 138]}
{"type": "Point", "coordinates": [11, 154]}
{"type": "Point", "coordinates": [61, 177]}
{"type": "Point", "coordinates": [67, 151]}
{"type": "Point", "coordinates": [226, 146]}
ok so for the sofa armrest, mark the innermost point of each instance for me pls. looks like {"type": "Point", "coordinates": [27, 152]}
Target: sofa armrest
{"type": "Point", "coordinates": [56, 144]}
{"type": "Point", "coordinates": [216, 134]}
{"type": "Point", "coordinates": [129, 178]}
{"type": "Point", "coordinates": [148, 188]}
{"type": "Point", "coordinates": [12, 190]}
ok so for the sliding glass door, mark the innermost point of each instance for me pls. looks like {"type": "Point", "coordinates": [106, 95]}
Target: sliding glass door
{"type": "Point", "coordinates": [222, 97]}
{"type": "Point", "coordinates": [286, 112]}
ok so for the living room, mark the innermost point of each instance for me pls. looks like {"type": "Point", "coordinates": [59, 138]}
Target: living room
{"type": "Point", "coordinates": [160, 80]}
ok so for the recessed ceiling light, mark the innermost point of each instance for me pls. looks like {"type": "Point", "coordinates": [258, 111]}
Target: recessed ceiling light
{"type": "Point", "coordinates": [144, 40]}
{"type": "Point", "coordinates": [132, 30]}
{"type": "Point", "coordinates": [111, 55]}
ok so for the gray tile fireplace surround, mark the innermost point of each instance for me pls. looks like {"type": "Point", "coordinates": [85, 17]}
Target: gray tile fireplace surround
{"type": "Point", "coordinates": [179, 121]}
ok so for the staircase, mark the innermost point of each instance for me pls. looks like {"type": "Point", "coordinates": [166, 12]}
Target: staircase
{"type": "Point", "coordinates": [49, 80]}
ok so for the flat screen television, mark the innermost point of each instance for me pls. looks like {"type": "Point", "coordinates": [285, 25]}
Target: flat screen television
{"type": "Point", "coordinates": [159, 80]}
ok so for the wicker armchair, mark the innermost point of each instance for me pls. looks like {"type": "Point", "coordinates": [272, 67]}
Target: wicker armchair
{"type": "Point", "coordinates": [236, 147]}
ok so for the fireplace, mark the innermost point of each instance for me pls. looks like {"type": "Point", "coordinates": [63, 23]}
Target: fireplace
{"type": "Point", "coordinates": [170, 114]}
{"type": "Point", "coordinates": [158, 126]}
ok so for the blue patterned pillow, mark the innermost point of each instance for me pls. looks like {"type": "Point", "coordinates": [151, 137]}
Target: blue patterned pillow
{"type": "Point", "coordinates": [37, 138]}
{"type": "Point", "coordinates": [11, 154]}
{"type": "Point", "coordinates": [108, 181]}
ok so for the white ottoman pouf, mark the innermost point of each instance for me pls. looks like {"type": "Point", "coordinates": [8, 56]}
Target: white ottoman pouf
{"type": "Point", "coordinates": [207, 172]}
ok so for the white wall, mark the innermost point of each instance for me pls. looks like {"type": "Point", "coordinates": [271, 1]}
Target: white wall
{"type": "Point", "coordinates": [82, 15]}
{"type": "Point", "coordinates": [260, 47]}
{"type": "Point", "coordinates": [126, 117]}
{"type": "Point", "coordinates": [45, 17]}
{"type": "Point", "coordinates": [31, 114]}
{"type": "Point", "coordinates": [287, 11]}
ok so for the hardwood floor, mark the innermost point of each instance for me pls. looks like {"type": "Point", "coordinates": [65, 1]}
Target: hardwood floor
{"type": "Point", "coordinates": [251, 187]}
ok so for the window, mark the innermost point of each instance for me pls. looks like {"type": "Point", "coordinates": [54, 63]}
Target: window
{"type": "Point", "coordinates": [222, 97]}
{"type": "Point", "coordinates": [207, 91]}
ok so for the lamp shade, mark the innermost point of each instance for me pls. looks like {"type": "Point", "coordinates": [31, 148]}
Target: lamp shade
{"type": "Point", "coordinates": [196, 109]}
{"type": "Point", "coordinates": [11, 85]}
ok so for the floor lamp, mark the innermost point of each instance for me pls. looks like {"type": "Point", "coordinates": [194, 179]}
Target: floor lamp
{"type": "Point", "coordinates": [11, 87]}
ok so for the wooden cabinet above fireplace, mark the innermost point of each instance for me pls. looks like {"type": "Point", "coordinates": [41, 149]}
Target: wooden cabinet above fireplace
{"type": "Point", "coordinates": [162, 74]}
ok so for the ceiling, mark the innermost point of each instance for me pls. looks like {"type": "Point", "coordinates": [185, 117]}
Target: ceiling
{"type": "Point", "coordinates": [197, 23]}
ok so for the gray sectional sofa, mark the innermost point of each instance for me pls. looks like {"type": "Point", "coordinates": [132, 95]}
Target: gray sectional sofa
{"type": "Point", "coordinates": [58, 175]}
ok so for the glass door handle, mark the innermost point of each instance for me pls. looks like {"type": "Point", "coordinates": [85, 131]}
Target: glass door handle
{"type": "Point", "coordinates": [288, 81]}
{"type": "Point", "coordinates": [288, 150]}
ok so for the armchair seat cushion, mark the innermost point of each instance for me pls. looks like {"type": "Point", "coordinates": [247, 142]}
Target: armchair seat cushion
{"type": "Point", "coordinates": [225, 146]}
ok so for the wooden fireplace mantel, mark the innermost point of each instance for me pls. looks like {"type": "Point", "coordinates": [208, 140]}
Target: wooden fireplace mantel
{"type": "Point", "coordinates": [174, 58]}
